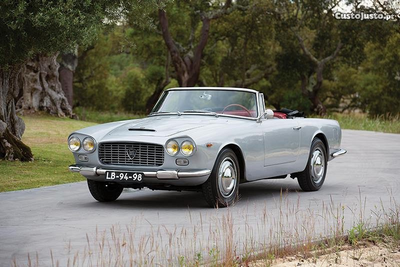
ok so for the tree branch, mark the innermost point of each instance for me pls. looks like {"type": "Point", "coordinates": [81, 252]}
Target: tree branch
{"type": "Point", "coordinates": [215, 14]}
{"type": "Point", "coordinates": [334, 55]}
{"type": "Point", "coordinates": [169, 41]}
{"type": "Point", "coordinates": [176, 58]}
{"type": "Point", "coordinates": [304, 48]}
{"type": "Point", "coordinates": [247, 82]}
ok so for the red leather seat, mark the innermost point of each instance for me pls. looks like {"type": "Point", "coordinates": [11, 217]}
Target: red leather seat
{"type": "Point", "coordinates": [280, 115]}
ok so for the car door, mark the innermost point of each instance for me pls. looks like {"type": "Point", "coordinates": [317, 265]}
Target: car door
{"type": "Point", "coordinates": [281, 141]}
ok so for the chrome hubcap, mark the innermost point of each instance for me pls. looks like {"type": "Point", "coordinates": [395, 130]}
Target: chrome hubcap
{"type": "Point", "coordinates": [317, 166]}
{"type": "Point", "coordinates": [227, 177]}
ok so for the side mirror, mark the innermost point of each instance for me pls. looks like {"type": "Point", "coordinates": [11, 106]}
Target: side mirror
{"type": "Point", "coordinates": [269, 114]}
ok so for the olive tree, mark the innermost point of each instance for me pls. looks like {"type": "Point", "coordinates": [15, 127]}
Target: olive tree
{"type": "Point", "coordinates": [33, 33]}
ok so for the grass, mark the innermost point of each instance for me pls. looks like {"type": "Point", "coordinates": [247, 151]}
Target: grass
{"type": "Point", "coordinates": [47, 137]}
{"type": "Point", "coordinates": [104, 116]}
{"type": "Point", "coordinates": [359, 121]}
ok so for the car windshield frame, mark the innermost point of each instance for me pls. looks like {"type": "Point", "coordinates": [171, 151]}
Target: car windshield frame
{"type": "Point", "coordinates": [253, 115]}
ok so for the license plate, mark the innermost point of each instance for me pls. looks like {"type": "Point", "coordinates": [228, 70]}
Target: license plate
{"type": "Point", "coordinates": [136, 177]}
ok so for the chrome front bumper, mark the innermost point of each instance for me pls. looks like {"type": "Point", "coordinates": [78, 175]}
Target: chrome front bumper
{"type": "Point", "coordinates": [162, 174]}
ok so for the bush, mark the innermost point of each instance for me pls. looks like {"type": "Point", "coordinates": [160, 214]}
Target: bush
{"type": "Point", "coordinates": [133, 86]}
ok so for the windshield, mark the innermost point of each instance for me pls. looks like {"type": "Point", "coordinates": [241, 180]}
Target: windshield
{"type": "Point", "coordinates": [228, 102]}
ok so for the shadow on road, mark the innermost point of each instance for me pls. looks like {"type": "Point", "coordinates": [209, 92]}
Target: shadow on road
{"type": "Point", "coordinates": [147, 199]}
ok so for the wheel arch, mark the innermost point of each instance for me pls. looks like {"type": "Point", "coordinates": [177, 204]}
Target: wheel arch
{"type": "Point", "coordinates": [322, 137]}
{"type": "Point", "coordinates": [239, 154]}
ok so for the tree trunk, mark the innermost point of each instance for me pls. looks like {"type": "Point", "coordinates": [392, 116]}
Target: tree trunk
{"type": "Point", "coordinates": [11, 126]}
{"type": "Point", "coordinates": [28, 87]}
{"type": "Point", "coordinates": [318, 106]}
{"type": "Point", "coordinates": [41, 87]}
{"type": "Point", "coordinates": [187, 67]}
{"type": "Point", "coordinates": [66, 80]}
{"type": "Point", "coordinates": [69, 62]}
{"type": "Point", "coordinates": [155, 96]}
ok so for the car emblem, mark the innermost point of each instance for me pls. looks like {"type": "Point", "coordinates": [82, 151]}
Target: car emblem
{"type": "Point", "coordinates": [131, 153]}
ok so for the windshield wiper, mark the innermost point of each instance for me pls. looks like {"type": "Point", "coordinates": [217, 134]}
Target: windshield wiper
{"type": "Point", "coordinates": [197, 111]}
{"type": "Point", "coordinates": [201, 111]}
{"type": "Point", "coordinates": [179, 113]}
{"type": "Point", "coordinates": [162, 112]}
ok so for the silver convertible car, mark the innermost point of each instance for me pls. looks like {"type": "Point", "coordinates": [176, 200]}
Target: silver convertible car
{"type": "Point", "coordinates": [205, 139]}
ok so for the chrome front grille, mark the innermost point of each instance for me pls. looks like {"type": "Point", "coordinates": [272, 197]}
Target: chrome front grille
{"type": "Point", "coordinates": [131, 154]}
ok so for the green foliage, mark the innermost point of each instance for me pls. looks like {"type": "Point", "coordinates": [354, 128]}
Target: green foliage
{"type": "Point", "coordinates": [32, 27]}
{"type": "Point", "coordinates": [94, 85]}
{"type": "Point", "coordinates": [242, 46]}
{"type": "Point", "coordinates": [109, 79]}
{"type": "Point", "coordinates": [374, 86]}
{"type": "Point", "coordinates": [357, 233]}
{"type": "Point", "coordinates": [129, 61]}
{"type": "Point", "coordinates": [132, 82]}
{"type": "Point", "coordinates": [294, 99]}
{"type": "Point", "coordinates": [49, 26]}
{"type": "Point", "coordinates": [379, 78]}
{"type": "Point", "coordinates": [154, 74]}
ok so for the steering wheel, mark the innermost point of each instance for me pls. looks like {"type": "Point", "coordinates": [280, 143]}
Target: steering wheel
{"type": "Point", "coordinates": [237, 105]}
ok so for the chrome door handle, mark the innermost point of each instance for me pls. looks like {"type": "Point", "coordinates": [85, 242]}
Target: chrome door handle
{"type": "Point", "coordinates": [297, 128]}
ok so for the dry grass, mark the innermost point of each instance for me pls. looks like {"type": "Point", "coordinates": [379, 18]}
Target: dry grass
{"type": "Point", "coordinates": [216, 239]}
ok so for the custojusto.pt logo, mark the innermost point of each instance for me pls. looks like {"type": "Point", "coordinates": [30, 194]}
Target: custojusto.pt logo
{"type": "Point", "coordinates": [365, 16]}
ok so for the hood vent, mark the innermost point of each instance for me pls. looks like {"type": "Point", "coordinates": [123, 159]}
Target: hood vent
{"type": "Point", "coordinates": [141, 129]}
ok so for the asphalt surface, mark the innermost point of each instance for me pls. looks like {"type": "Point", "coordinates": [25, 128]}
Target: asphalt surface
{"type": "Point", "coordinates": [65, 225]}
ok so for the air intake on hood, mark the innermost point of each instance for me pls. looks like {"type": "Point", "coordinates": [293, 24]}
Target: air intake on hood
{"type": "Point", "coordinates": [141, 129]}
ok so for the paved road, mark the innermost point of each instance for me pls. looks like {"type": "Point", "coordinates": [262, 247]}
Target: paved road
{"type": "Point", "coordinates": [64, 224]}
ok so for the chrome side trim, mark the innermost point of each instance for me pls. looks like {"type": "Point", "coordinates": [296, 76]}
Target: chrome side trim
{"type": "Point", "coordinates": [162, 174]}
{"type": "Point", "coordinates": [339, 153]}
{"type": "Point", "coordinates": [182, 174]}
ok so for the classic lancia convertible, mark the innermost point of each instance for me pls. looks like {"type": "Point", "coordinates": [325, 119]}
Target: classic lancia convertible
{"type": "Point", "coordinates": [205, 139]}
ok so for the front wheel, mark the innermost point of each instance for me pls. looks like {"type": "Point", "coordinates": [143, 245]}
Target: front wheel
{"type": "Point", "coordinates": [222, 187]}
{"type": "Point", "coordinates": [312, 178]}
{"type": "Point", "coordinates": [104, 192]}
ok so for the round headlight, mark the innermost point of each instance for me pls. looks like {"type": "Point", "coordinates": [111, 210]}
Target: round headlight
{"type": "Point", "coordinates": [88, 144]}
{"type": "Point", "coordinates": [187, 148]}
{"type": "Point", "coordinates": [172, 147]}
{"type": "Point", "coordinates": [74, 144]}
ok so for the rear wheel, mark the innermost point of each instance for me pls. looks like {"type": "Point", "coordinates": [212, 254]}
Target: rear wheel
{"type": "Point", "coordinates": [222, 187]}
{"type": "Point", "coordinates": [104, 192]}
{"type": "Point", "coordinates": [312, 178]}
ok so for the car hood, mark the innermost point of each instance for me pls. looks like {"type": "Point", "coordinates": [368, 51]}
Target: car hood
{"type": "Point", "coordinates": [159, 126]}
